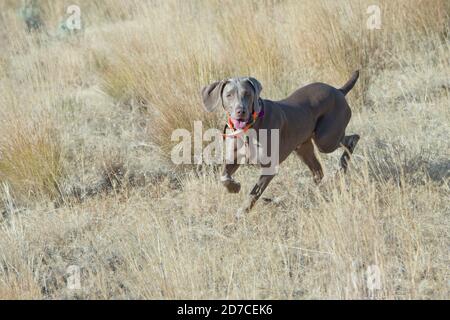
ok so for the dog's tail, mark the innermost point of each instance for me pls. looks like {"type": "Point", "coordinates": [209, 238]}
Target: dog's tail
{"type": "Point", "coordinates": [350, 83]}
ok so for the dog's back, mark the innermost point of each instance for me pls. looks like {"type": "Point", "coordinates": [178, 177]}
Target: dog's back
{"type": "Point", "coordinates": [320, 97]}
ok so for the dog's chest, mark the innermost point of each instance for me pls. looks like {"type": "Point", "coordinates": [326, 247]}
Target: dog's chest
{"type": "Point", "coordinates": [251, 148]}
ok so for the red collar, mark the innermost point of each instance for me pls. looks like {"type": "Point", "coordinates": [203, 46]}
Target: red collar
{"type": "Point", "coordinates": [236, 132]}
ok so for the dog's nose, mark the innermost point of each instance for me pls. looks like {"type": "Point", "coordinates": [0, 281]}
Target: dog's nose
{"type": "Point", "coordinates": [240, 112]}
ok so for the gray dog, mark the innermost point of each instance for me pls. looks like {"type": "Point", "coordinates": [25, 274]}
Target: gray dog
{"type": "Point", "coordinates": [317, 112]}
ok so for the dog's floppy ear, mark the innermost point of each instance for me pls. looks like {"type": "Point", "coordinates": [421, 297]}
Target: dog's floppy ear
{"type": "Point", "coordinates": [212, 95]}
{"type": "Point", "coordinates": [258, 88]}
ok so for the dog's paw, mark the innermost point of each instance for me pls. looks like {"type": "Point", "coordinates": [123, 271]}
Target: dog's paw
{"type": "Point", "coordinates": [232, 186]}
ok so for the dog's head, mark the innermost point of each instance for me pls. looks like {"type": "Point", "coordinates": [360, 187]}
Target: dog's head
{"type": "Point", "coordinates": [239, 97]}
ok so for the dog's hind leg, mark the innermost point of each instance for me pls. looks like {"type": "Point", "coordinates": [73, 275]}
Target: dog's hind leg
{"type": "Point", "coordinates": [349, 143]}
{"type": "Point", "coordinates": [306, 152]}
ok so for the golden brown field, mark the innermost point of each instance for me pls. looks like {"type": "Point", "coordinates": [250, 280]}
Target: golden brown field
{"type": "Point", "coordinates": [86, 181]}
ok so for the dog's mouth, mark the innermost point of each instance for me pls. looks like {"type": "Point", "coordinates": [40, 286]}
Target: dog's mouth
{"type": "Point", "coordinates": [239, 123]}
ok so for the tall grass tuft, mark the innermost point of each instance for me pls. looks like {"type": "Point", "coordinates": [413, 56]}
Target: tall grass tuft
{"type": "Point", "coordinates": [30, 157]}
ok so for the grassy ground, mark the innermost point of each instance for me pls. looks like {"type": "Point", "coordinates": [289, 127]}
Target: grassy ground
{"type": "Point", "coordinates": [85, 125]}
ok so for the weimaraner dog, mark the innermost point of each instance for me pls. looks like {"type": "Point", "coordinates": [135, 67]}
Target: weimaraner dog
{"type": "Point", "coordinates": [317, 112]}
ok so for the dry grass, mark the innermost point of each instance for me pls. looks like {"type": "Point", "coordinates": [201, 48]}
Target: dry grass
{"type": "Point", "coordinates": [85, 127]}
{"type": "Point", "coordinates": [30, 157]}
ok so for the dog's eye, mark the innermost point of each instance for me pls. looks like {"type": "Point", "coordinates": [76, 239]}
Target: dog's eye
{"type": "Point", "coordinates": [229, 95]}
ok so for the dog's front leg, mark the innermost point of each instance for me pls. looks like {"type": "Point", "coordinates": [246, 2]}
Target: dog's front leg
{"type": "Point", "coordinates": [227, 180]}
{"type": "Point", "coordinates": [256, 192]}
{"type": "Point", "coordinates": [231, 165]}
